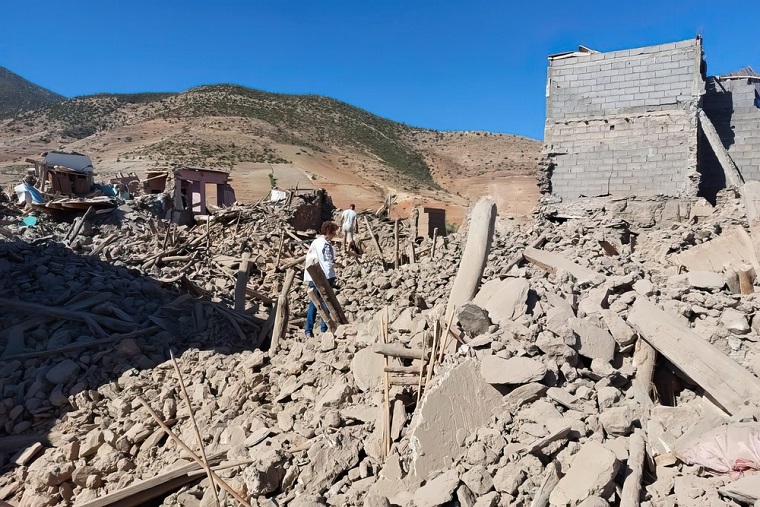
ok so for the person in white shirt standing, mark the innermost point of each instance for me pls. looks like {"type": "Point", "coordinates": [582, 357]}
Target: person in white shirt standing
{"type": "Point", "coordinates": [321, 251]}
{"type": "Point", "coordinates": [348, 219]}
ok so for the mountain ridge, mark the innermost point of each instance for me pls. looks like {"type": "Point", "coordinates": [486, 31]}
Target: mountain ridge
{"type": "Point", "coordinates": [232, 126]}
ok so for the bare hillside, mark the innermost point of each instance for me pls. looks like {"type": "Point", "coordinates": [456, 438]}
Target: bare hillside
{"type": "Point", "coordinates": [357, 156]}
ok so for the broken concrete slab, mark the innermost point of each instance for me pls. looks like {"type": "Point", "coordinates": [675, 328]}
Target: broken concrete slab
{"type": "Point", "coordinates": [592, 471]}
{"type": "Point", "coordinates": [706, 280]}
{"type": "Point", "coordinates": [367, 367]}
{"type": "Point", "coordinates": [552, 262]}
{"type": "Point", "coordinates": [438, 491]}
{"type": "Point", "coordinates": [459, 403]}
{"type": "Point", "coordinates": [515, 370]}
{"type": "Point", "coordinates": [504, 300]}
{"type": "Point", "coordinates": [727, 382]}
{"type": "Point", "coordinates": [593, 342]}
{"type": "Point", "coordinates": [734, 245]}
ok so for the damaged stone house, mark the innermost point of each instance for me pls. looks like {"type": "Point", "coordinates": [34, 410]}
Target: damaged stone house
{"type": "Point", "coordinates": [628, 123]}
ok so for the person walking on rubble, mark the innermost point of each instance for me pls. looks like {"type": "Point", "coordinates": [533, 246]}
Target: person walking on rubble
{"type": "Point", "coordinates": [321, 251]}
{"type": "Point", "coordinates": [348, 219]}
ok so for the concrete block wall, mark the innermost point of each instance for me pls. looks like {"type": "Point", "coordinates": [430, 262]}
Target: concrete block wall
{"type": "Point", "coordinates": [641, 155]}
{"type": "Point", "coordinates": [730, 105]}
{"type": "Point", "coordinates": [624, 122]}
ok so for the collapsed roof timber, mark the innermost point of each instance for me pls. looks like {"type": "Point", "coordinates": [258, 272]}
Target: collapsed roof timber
{"type": "Point", "coordinates": [648, 121]}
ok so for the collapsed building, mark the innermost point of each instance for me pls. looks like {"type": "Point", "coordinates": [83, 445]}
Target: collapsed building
{"type": "Point", "coordinates": [647, 121]}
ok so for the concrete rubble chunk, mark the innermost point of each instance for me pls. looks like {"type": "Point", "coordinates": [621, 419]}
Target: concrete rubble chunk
{"type": "Point", "coordinates": [591, 472]}
{"type": "Point", "coordinates": [62, 372]}
{"type": "Point", "coordinates": [706, 280]}
{"type": "Point", "coordinates": [553, 262]}
{"type": "Point", "coordinates": [515, 370]}
{"type": "Point", "coordinates": [459, 403]}
{"type": "Point", "coordinates": [473, 319]}
{"type": "Point", "coordinates": [478, 480]}
{"type": "Point", "coordinates": [593, 342]}
{"type": "Point", "coordinates": [367, 367]}
{"type": "Point", "coordinates": [504, 300]}
{"type": "Point", "coordinates": [329, 459]}
{"type": "Point", "coordinates": [437, 491]}
{"type": "Point", "coordinates": [618, 328]}
{"type": "Point", "coordinates": [734, 321]}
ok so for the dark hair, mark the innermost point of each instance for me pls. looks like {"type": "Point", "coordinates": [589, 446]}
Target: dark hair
{"type": "Point", "coordinates": [353, 206]}
{"type": "Point", "coordinates": [329, 228]}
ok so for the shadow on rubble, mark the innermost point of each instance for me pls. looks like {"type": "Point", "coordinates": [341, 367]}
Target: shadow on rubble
{"type": "Point", "coordinates": [71, 323]}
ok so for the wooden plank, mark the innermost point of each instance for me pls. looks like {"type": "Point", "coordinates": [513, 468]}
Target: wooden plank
{"type": "Point", "coordinates": [327, 293]}
{"type": "Point", "coordinates": [733, 177]}
{"type": "Point", "coordinates": [396, 350]}
{"type": "Point", "coordinates": [631, 495]}
{"type": "Point", "coordinates": [321, 309]}
{"type": "Point", "coordinates": [551, 262]}
{"type": "Point", "coordinates": [375, 243]}
{"type": "Point", "coordinates": [282, 312]}
{"type": "Point", "coordinates": [726, 382]}
{"type": "Point", "coordinates": [734, 245]}
{"type": "Point", "coordinates": [140, 492]}
{"type": "Point", "coordinates": [242, 282]}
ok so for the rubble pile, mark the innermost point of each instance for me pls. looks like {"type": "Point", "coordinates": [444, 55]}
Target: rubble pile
{"type": "Point", "coordinates": [568, 379]}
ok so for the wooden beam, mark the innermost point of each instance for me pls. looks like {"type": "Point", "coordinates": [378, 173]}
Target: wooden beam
{"type": "Point", "coordinates": [733, 177]}
{"type": "Point", "coordinates": [242, 282]}
{"type": "Point", "coordinates": [725, 381]}
{"type": "Point", "coordinates": [321, 309]}
{"type": "Point", "coordinates": [396, 350]}
{"type": "Point", "coordinates": [327, 293]}
{"type": "Point", "coordinates": [373, 238]}
{"type": "Point", "coordinates": [631, 495]}
{"type": "Point", "coordinates": [282, 312]}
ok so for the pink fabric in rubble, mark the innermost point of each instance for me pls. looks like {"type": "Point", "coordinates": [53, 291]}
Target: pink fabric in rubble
{"type": "Point", "coordinates": [730, 448]}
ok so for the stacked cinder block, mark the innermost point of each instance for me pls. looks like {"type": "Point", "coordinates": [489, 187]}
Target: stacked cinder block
{"type": "Point", "coordinates": [730, 105]}
{"type": "Point", "coordinates": [623, 122]}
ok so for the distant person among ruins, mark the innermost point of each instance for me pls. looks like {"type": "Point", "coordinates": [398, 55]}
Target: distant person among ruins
{"type": "Point", "coordinates": [348, 219]}
{"type": "Point", "coordinates": [321, 251]}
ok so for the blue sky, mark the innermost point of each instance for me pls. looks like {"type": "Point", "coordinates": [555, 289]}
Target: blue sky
{"type": "Point", "coordinates": [447, 65]}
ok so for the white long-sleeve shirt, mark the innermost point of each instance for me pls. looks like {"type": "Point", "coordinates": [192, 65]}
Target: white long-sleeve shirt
{"type": "Point", "coordinates": [320, 251]}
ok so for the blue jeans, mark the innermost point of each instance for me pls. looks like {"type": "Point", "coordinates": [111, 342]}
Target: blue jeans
{"type": "Point", "coordinates": [311, 313]}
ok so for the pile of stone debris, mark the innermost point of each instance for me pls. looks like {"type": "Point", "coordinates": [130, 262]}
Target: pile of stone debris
{"type": "Point", "coordinates": [590, 359]}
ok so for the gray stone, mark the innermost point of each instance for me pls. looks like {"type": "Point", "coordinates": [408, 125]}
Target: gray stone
{"type": "Point", "coordinates": [618, 328]}
{"type": "Point", "coordinates": [591, 473]}
{"type": "Point", "coordinates": [438, 491]}
{"type": "Point", "coordinates": [367, 367]}
{"type": "Point", "coordinates": [515, 370]}
{"type": "Point", "coordinates": [706, 280]}
{"type": "Point", "coordinates": [593, 342]}
{"type": "Point", "coordinates": [460, 403]}
{"type": "Point", "coordinates": [478, 480]}
{"type": "Point", "coordinates": [508, 478]}
{"type": "Point", "coordinates": [734, 321]}
{"type": "Point", "coordinates": [62, 372]}
{"type": "Point", "coordinates": [504, 300]}
{"type": "Point", "coordinates": [329, 458]}
{"type": "Point", "coordinates": [473, 319]}
{"type": "Point", "coordinates": [617, 420]}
